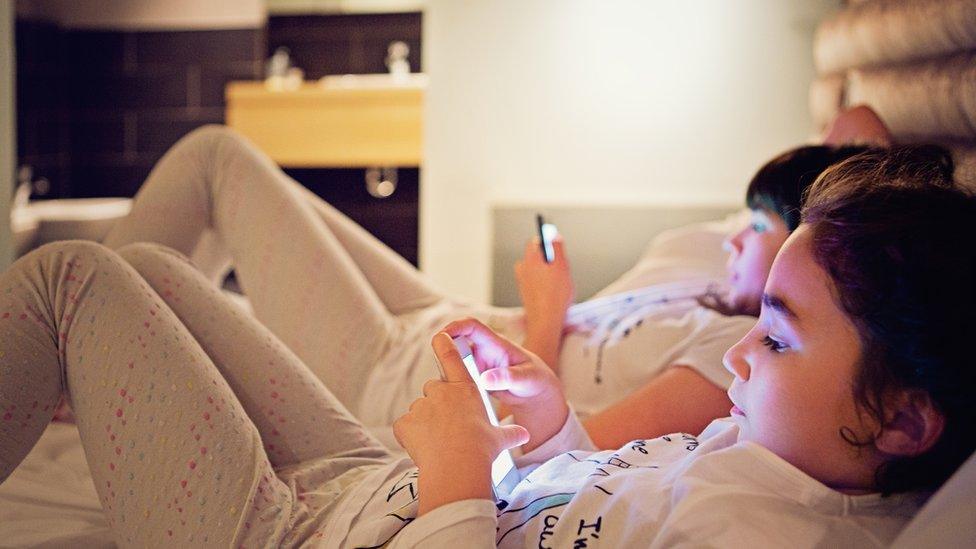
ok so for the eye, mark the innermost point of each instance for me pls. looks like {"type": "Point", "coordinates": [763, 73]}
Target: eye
{"type": "Point", "coordinates": [759, 227]}
{"type": "Point", "coordinates": [774, 346]}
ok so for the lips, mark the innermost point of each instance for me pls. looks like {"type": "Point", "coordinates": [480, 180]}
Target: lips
{"type": "Point", "coordinates": [735, 411]}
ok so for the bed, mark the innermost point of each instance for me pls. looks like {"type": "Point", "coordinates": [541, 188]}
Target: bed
{"type": "Point", "coordinates": [50, 501]}
{"type": "Point", "coordinates": [912, 61]}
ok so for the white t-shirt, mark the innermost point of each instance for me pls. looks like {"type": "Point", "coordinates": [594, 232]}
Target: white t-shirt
{"type": "Point", "coordinates": [596, 372]}
{"type": "Point", "coordinates": [677, 490]}
{"type": "Point", "coordinates": [604, 361]}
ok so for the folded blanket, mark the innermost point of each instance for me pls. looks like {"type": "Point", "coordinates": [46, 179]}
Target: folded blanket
{"type": "Point", "coordinates": [894, 31]}
{"type": "Point", "coordinates": [826, 99]}
{"type": "Point", "coordinates": [929, 100]}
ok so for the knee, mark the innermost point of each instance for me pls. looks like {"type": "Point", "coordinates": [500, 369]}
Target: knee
{"type": "Point", "coordinates": [63, 251]}
{"type": "Point", "coordinates": [211, 137]}
{"type": "Point", "coordinates": [71, 259]}
{"type": "Point", "coordinates": [212, 132]}
{"type": "Point", "coordinates": [147, 256]}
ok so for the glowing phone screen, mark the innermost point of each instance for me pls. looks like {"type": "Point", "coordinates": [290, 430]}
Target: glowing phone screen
{"type": "Point", "coordinates": [503, 463]}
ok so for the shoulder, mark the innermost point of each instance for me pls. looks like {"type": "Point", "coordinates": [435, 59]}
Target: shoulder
{"type": "Point", "coordinates": [710, 322]}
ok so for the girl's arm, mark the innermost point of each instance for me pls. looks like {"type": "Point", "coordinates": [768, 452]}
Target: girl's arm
{"type": "Point", "coordinates": [678, 400]}
{"type": "Point", "coordinates": [521, 382]}
{"type": "Point", "coordinates": [448, 435]}
{"type": "Point", "coordinates": [547, 291]}
{"type": "Point", "coordinates": [447, 432]}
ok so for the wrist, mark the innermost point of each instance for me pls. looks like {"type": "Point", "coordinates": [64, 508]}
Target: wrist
{"type": "Point", "coordinates": [543, 415]}
{"type": "Point", "coordinates": [550, 402]}
{"type": "Point", "coordinates": [454, 480]}
{"type": "Point", "coordinates": [545, 343]}
{"type": "Point", "coordinates": [544, 318]}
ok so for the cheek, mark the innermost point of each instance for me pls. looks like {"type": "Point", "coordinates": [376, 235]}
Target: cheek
{"type": "Point", "coordinates": [782, 410]}
{"type": "Point", "coordinates": [758, 260]}
{"type": "Point", "coordinates": [781, 422]}
{"type": "Point", "coordinates": [755, 263]}
{"type": "Point", "coordinates": [767, 251]}
{"type": "Point", "coordinates": [802, 415]}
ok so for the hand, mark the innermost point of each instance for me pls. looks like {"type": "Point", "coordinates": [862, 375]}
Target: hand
{"type": "Point", "coordinates": [547, 292]}
{"type": "Point", "coordinates": [546, 289]}
{"type": "Point", "coordinates": [448, 436]}
{"type": "Point", "coordinates": [518, 379]}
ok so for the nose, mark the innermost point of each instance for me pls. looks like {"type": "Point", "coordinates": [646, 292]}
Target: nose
{"type": "Point", "coordinates": [733, 243]}
{"type": "Point", "coordinates": [735, 360]}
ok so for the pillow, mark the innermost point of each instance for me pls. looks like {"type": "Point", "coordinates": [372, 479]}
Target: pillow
{"type": "Point", "coordinates": [948, 519]}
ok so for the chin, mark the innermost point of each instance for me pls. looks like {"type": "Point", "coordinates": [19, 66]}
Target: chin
{"type": "Point", "coordinates": [743, 427]}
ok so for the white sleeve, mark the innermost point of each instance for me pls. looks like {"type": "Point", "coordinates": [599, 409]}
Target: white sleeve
{"type": "Point", "coordinates": [572, 436]}
{"type": "Point", "coordinates": [471, 523]}
{"type": "Point", "coordinates": [708, 346]}
{"type": "Point", "coordinates": [468, 523]}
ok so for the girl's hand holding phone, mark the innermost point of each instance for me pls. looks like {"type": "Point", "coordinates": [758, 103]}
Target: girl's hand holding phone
{"type": "Point", "coordinates": [518, 379]}
{"type": "Point", "coordinates": [547, 291]}
{"type": "Point", "coordinates": [447, 434]}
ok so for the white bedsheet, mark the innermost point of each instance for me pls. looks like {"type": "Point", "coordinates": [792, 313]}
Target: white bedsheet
{"type": "Point", "coordinates": [49, 501]}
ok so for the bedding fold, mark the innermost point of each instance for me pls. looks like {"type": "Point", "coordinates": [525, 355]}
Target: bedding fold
{"type": "Point", "coordinates": [929, 100]}
{"type": "Point", "coordinates": [826, 99]}
{"type": "Point", "coordinates": [875, 33]}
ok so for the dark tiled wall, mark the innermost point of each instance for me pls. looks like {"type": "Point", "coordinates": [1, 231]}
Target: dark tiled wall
{"type": "Point", "coordinates": [394, 219]}
{"type": "Point", "coordinates": [133, 94]}
{"type": "Point", "coordinates": [96, 109]}
{"type": "Point", "coordinates": [43, 121]}
{"type": "Point", "coordinates": [344, 44]}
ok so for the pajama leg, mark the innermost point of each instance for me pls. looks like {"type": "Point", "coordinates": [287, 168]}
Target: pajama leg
{"type": "Point", "coordinates": [400, 286]}
{"type": "Point", "coordinates": [299, 420]}
{"type": "Point", "coordinates": [174, 458]}
{"type": "Point", "coordinates": [301, 282]}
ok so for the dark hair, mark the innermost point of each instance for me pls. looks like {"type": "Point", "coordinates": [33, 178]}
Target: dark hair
{"type": "Point", "coordinates": [779, 187]}
{"type": "Point", "coordinates": [780, 184]}
{"type": "Point", "coordinates": [894, 233]}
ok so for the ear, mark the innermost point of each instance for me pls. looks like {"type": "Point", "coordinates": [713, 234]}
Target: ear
{"type": "Point", "coordinates": [914, 425]}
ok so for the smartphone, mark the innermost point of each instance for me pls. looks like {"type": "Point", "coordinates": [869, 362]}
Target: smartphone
{"type": "Point", "coordinates": [504, 475]}
{"type": "Point", "coordinates": [547, 232]}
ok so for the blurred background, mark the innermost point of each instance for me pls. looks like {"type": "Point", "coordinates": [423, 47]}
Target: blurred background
{"type": "Point", "coordinates": [615, 118]}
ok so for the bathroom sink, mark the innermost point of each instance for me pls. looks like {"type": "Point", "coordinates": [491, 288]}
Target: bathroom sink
{"type": "Point", "coordinates": [76, 218]}
{"type": "Point", "coordinates": [24, 226]}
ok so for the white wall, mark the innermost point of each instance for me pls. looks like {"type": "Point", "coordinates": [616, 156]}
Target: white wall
{"type": "Point", "coordinates": [605, 102]}
{"type": "Point", "coordinates": [148, 14]}
{"type": "Point", "coordinates": [8, 142]}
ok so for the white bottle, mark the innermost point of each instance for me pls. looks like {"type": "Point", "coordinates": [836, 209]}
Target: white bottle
{"type": "Point", "coordinates": [396, 60]}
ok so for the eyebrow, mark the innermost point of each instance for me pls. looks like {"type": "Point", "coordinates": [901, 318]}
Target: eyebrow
{"type": "Point", "coordinates": [778, 305]}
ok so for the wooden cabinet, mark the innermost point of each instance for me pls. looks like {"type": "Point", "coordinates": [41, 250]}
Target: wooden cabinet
{"type": "Point", "coordinates": [322, 134]}
{"type": "Point", "coordinates": [358, 124]}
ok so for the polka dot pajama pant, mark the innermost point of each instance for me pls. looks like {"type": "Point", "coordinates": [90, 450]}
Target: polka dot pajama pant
{"type": "Point", "coordinates": [200, 427]}
{"type": "Point", "coordinates": [306, 268]}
